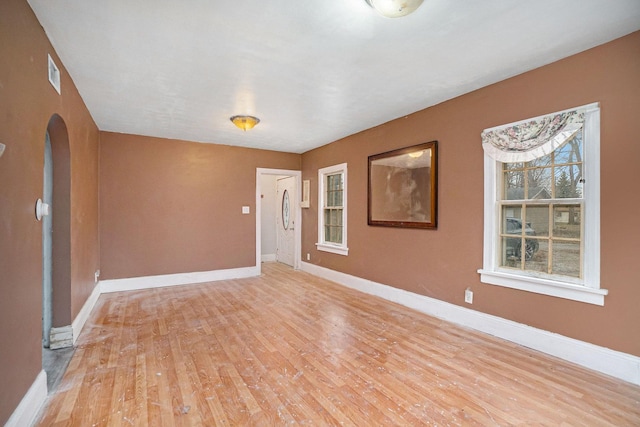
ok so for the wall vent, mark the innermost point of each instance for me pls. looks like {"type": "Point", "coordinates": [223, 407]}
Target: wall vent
{"type": "Point", "coordinates": [54, 75]}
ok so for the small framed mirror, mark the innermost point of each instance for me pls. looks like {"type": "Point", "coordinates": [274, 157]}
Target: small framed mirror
{"type": "Point", "coordinates": [403, 187]}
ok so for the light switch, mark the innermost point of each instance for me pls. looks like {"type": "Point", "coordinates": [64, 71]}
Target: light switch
{"type": "Point", "coordinates": [246, 210]}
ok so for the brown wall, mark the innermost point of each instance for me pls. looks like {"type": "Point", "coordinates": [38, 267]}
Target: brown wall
{"type": "Point", "coordinates": [27, 102]}
{"type": "Point", "coordinates": [170, 206]}
{"type": "Point", "coordinates": [442, 263]}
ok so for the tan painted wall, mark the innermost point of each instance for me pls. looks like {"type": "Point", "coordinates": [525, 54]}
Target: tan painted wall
{"type": "Point", "coordinates": [27, 102]}
{"type": "Point", "coordinates": [442, 263]}
{"type": "Point", "coordinates": [170, 206]}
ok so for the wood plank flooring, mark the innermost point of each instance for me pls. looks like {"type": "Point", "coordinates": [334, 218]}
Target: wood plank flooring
{"type": "Point", "coordinates": [288, 348]}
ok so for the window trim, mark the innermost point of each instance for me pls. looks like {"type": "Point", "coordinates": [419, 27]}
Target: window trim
{"type": "Point", "coordinates": [589, 290]}
{"type": "Point", "coordinates": [322, 245]}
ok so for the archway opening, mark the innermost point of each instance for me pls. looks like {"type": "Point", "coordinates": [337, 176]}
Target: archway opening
{"type": "Point", "coordinates": [57, 336]}
{"type": "Point", "coordinates": [61, 222]}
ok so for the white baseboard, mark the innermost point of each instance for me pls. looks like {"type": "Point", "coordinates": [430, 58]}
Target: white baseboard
{"type": "Point", "coordinates": [30, 405]}
{"type": "Point", "coordinates": [268, 257]}
{"type": "Point", "coordinates": [148, 282]}
{"type": "Point", "coordinates": [610, 362]}
{"type": "Point", "coordinates": [85, 311]}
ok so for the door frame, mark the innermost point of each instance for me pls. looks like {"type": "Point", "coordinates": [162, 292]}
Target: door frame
{"type": "Point", "coordinates": [296, 202]}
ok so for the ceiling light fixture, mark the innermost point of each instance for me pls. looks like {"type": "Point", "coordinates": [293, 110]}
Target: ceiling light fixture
{"type": "Point", "coordinates": [245, 122]}
{"type": "Point", "coordinates": [394, 8]}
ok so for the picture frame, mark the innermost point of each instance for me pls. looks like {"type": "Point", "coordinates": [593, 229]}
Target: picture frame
{"type": "Point", "coordinates": [402, 187]}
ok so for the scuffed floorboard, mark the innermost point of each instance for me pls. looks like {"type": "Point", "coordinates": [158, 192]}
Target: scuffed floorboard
{"type": "Point", "coordinates": [288, 348]}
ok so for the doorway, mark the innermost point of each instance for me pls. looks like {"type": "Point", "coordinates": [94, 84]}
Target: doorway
{"type": "Point", "coordinates": [56, 253]}
{"type": "Point", "coordinates": [274, 211]}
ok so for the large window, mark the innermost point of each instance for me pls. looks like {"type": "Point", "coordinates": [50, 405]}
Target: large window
{"type": "Point", "coordinates": [542, 205]}
{"type": "Point", "coordinates": [541, 210]}
{"type": "Point", "coordinates": [332, 214]}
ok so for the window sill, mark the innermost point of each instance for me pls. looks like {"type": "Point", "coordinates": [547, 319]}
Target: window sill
{"type": "Point", "coordinates": [544, 287]}
{"type": "Point", "coordinates": [340, 250]}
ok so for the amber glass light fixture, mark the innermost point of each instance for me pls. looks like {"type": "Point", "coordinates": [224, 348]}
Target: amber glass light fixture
{"type": "Point", "coordinates": [394, 8]}
{"type": "Point", "coordinates": [245, 122]}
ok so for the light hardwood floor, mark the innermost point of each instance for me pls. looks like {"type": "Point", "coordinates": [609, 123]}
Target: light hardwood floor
{"type": "Point", "coordinates": [289, 348]}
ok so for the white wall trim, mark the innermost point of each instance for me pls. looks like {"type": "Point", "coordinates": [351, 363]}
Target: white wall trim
{"type": "Point", "coordinates": [610, 362]}
{"type": "Point", "coordinates": [28, 409]}
{"type": "Point", "coordinates": [544, 286]}
{"type": "Point", "coordinates": [148, 282]}
{"type": "Point", "coordinates": [85, 312]}
{"type": "Point", "coordinates": [268, 257]}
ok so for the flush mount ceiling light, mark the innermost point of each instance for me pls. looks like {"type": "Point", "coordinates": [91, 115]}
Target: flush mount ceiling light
{"type": "Point", "coordinates": [245, 122]}
{"type": "Point", "coordinates": [394, 8]}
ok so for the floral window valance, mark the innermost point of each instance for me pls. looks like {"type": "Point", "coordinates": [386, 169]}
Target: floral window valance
{"type": "Point", "coordinates": [532, 138]}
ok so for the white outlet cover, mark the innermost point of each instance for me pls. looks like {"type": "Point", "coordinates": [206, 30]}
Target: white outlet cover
{"type": "Point", "coordinates": [468, 296]}
{"type": "Point", "coordinates": [246, 210]}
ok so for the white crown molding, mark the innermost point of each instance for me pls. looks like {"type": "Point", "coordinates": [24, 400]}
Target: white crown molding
{"type": "Point", "coordinates": [28, 409]}
{"type": "Point", "coordinates": [610, 362]}
{"type": "Point", "coordinates": [149, 282]}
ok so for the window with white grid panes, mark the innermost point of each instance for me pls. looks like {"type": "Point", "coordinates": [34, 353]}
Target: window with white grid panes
{"type": "Point", "coordinates": [332, 227]}
{"type": "Point", "coordinates": [541, 210]}
{"type": "Point", "coordinates": [333, 208]}
{"type": "Point", "coordinates": [542, 205]}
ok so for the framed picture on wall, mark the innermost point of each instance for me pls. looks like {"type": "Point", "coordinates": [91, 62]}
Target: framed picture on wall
{"type": "Point", "coordinates": [403, 187]}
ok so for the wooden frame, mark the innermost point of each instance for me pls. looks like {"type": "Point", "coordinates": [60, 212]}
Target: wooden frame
{"type": "Point", "coordinates": [402, 187]}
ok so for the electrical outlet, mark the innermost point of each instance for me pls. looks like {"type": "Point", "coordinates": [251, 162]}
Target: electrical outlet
{"type": "Point", "coordinates": [468, 296]}
{"type": "Point", "coordinates": [308, 256]}
{"type": "Point", "coordinates": [96, 275]}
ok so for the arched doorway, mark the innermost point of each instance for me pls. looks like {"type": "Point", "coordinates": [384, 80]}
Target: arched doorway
{"type": "Point", "coordinates": [47, 246]}
{"type": "Point", "coordinates": [60, 199]}
{"type": "Point", "coordinates": [56, 249]}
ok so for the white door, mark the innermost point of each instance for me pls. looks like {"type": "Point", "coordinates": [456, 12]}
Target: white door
{"type": "Point", "coordinates": [285, 220]}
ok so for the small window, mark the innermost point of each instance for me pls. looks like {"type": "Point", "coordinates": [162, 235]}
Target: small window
{"type": "Point", "coordinates": [542, 205]}
{"type": "Point", "coordinates": [332, 215]}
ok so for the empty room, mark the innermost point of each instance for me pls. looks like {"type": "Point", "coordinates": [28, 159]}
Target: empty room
{"type": "Point", "coordinates": [338, 212]}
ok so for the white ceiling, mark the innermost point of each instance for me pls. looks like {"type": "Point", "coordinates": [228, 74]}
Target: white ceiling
{"type": "Point", "coordinates": [312, 71]}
